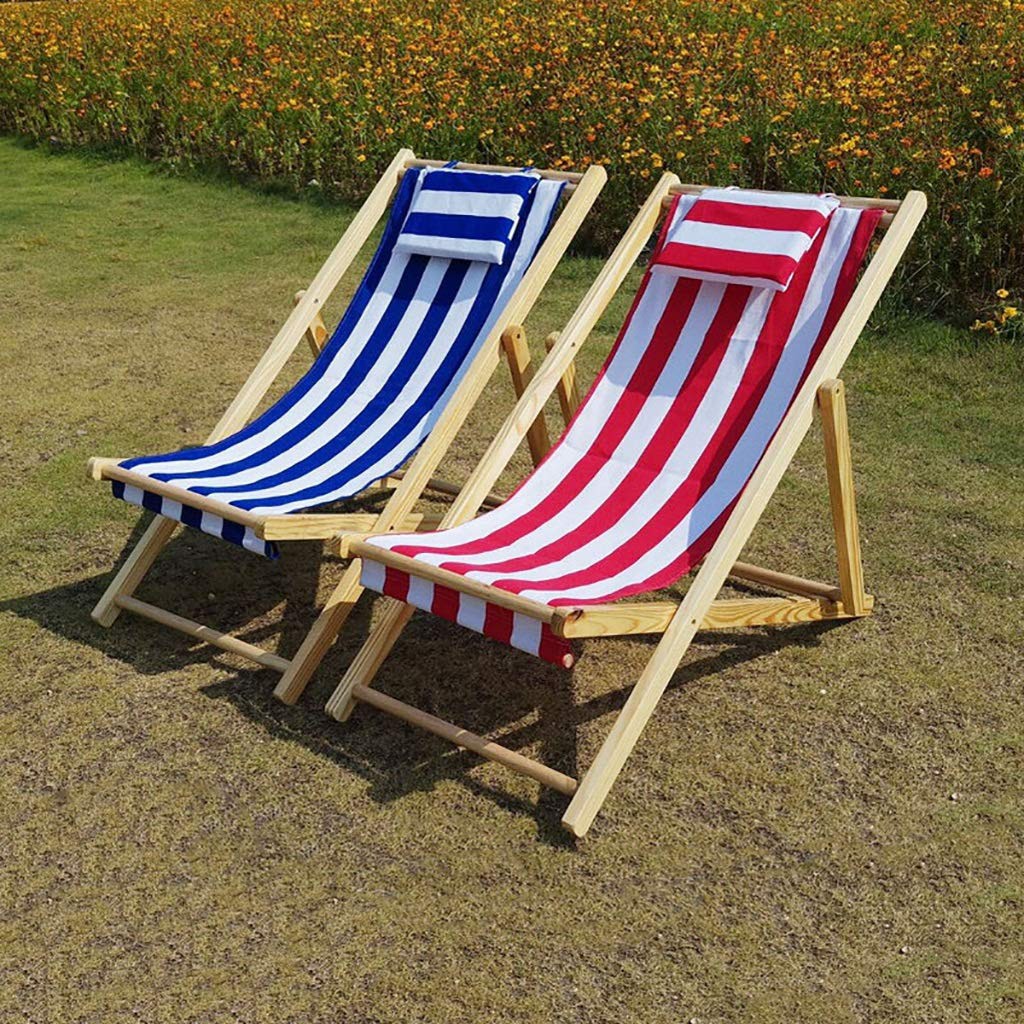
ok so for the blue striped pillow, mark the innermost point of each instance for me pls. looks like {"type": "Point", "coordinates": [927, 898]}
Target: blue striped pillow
{"type": "Point", "coordinates": [465, 215]}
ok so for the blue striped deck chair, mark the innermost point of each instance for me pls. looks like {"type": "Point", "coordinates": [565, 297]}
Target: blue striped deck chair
{"type": "Point", "coordinates": [389, 388]}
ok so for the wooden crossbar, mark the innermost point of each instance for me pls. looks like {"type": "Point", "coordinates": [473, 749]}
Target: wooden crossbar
{"type": "Point", "coordinates": [224, 641]}
{"type": "Point", "coordinates": [455, 581]}
{"type": "Point", "coordinates": [784, 581]}
{"type": "Point", "coordinates": [107, 469]}
{"type": "Point", "coordinates": [299, 526]}
{"type": "Point", "coordinates": [468, 740]}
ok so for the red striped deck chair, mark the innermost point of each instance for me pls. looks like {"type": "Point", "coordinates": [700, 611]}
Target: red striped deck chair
{"type": "Point", "coordinates": [743, 320]}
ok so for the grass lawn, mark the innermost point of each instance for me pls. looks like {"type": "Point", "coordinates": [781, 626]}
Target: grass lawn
{"type": "Point", "coordinates": [820, 824]}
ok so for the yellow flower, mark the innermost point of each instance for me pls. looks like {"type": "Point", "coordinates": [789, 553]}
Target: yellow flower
{"type": "Point", "coordinates": [1002, 294]}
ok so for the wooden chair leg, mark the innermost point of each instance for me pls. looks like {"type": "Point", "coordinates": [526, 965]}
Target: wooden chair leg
{"type": "Point", "coordinates": [513, 341]}
{"type": "Point", "coordinates": [567, 389]}
{"type": "Point", "coordinates": [135, 567]}
{"type": "Point", "coordinates": [319, 639]}
{"type": "Point", "coordinates": [636, 712]}
{"type": "Point", "coordinates": [383, 636]}
{"type": "Point", "coordinates": [839, 467]}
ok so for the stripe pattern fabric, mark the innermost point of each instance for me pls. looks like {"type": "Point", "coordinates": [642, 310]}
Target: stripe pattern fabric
{"type": "Point", "coordinates": [465, 214]}
{"type": "Point", "coordinates": [644, 478]}
{"type": "Point", "coordinates": [373, 394]}
{"type": "Point", "coordinates": [740, 237]}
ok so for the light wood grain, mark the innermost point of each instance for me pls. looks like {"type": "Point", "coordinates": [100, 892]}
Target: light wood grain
{"type": "Point", "coordinates": [517, 353]}
{"type": "Point", "coordinates": [726, 613]}
{"type": "Point", "coordinates": [326, 526]}
{"type": "Point", "coordinates": [842, 498]}
{"type": "Point", "coordinates": [784, 581]}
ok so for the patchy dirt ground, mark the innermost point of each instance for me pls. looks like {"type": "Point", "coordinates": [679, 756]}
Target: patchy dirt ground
{"type": "Point", "coordinates": [822, 823]}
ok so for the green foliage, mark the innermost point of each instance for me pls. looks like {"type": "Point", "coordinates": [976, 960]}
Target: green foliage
{"type": "Point", "coordinates": [315, 96]}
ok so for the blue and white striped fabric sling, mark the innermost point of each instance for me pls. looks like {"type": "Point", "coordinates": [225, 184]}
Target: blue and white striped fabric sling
{"type": "Point", "coordinates": [377, 389]}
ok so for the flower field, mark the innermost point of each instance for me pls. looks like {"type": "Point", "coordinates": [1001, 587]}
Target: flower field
{"type": "Point", "coordinates": [317, 94]}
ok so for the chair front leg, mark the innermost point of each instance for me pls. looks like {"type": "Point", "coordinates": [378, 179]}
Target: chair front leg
{"type": "Point", "coordinates": [394, 618]}
{"type": "Point", "coordinates": [134, 569]}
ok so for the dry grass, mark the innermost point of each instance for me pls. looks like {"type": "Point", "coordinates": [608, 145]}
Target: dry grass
{"type": "Point", "coordinates": [784, 846]}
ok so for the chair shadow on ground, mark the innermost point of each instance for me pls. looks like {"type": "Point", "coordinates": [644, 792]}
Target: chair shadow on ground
{"type": "Point", "coordinates": [436, 666]}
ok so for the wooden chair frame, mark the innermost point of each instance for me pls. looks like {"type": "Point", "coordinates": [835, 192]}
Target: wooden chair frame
{"type": "Point", "coordinates": [305, 321]}
{"type": "Point", "coordinates": [807, 600]}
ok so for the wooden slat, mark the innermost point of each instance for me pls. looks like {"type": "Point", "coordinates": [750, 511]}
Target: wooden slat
{"type": "Point", "coordinates": [109, 471]}
{"type": "Point", "coordinates": [326, 526]}
{"type": "Point", "coordinates": [726, 613]}
{"type": "Point", "coordinates": [468, 740]}
{"type": "Point", "coordinates": [784, 581]}
{"type": "Point", "coordinates": [842, 499]}
{"type": "Point", "coordinates": [224, 641]}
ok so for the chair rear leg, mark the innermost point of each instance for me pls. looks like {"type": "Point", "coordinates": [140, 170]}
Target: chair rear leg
{"type": "Point", "coordinates": [517, 351]}
{"type": "Point", "coordinates": [568, 390]}
{"type": "Point", "coordinates": [839, 468]}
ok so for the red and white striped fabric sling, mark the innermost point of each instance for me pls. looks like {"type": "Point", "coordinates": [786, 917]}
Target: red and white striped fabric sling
{"type": "Point", "coordinates": [643, 480]}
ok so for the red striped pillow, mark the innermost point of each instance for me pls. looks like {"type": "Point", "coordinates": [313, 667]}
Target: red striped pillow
{"type": "Point", "coordinates": [744, 237]}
